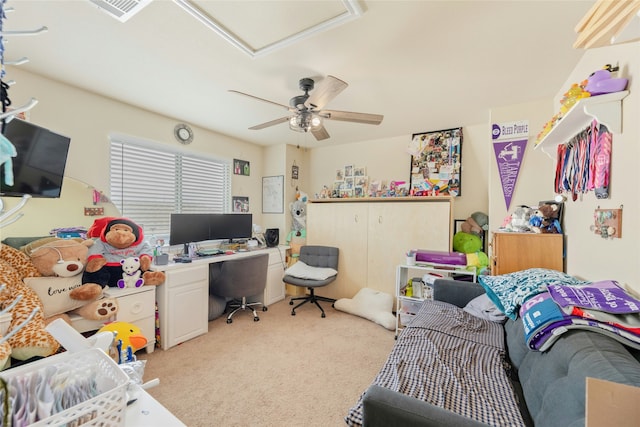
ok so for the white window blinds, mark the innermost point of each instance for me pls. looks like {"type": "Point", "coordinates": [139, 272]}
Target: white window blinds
{"type": "Point", "coordinates": [148, 184]}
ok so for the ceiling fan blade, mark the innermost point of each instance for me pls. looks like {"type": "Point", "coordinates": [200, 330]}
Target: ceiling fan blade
{"type": "Point", "coordinates": [324, 92]}
{"type": "Point", "coordinates": [271, 123]}
{"type": "Point", "coordinates": [320, 133]}
{"type": "Point", "coordinates": [262, 99]}
{"type": "Point", "coordinates": [350, 116]}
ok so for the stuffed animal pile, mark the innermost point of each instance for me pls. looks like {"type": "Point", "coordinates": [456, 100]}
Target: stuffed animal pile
{"type": "Point", "coordinates": [118, 239]}
{"type": "Point", "coordinates": [545, 219]}
{"type": "Point", "coordinates": [30, 340]}
{"type": "Point", "coordinates": [60, 263]}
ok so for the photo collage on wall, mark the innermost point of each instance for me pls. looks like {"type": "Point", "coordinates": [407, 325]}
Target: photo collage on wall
{"type": "Point", "coordinates": [436, 163]}
{"type": "Point", "coordinates": [350, 181]}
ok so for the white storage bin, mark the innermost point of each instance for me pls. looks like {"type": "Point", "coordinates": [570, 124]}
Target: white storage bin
{"type": "Point", "coordinates": [406, 318]}
{"type": "Point", "coordinates": [411, 306]}
{"type": "Point", "coordinates": [106, 409]}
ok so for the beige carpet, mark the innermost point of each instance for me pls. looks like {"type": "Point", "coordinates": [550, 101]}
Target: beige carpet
{"type": "Point", "coordinates": [280, 371]}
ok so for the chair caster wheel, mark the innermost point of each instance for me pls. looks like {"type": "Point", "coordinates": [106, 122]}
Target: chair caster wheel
{"type": "Point", "coordinates": [290, 302]}
{"type": "Point", "coordinates": [255, 319]}
{"type": "Point", "coordinates": [229, 320]}
{"type": "Point", "coordinates": [323, 315]}
{"type": "Point", "coordinates": [293, 313]}
{"type": "Point", "coordinates": [264, 309]}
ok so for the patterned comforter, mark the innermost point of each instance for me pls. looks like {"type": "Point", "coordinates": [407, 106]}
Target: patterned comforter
{"type": "Point", "coordinates": [454, 360]}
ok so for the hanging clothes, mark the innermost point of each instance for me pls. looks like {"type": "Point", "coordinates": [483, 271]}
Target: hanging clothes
{"type": "Point", "coordinates": [583, 163]}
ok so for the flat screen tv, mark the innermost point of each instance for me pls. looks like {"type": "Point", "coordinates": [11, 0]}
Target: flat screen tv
{"type": "Point", "coordinates": [38, 168]}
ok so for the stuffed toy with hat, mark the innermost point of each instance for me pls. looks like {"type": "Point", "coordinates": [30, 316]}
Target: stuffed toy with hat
{"type": "Point", "coordinates": [115, 240]}
{"type": "Point", "coordinates": [61, 263]}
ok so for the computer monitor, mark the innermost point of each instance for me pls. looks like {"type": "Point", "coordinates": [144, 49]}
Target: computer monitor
{"type": "Point", "coordinates": [188, 228]}
{"type": "Point", "coordinates": [233, 226]}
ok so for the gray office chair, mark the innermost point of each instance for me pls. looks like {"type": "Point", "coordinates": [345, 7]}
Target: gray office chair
{"type": "Point", "coordinates": [314, 256]}
{"type": "Point", "coordinates": [242, 279]}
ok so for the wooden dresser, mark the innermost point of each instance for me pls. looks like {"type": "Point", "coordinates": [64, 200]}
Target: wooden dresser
{"type": "Point", "coordinates": [519, 251]}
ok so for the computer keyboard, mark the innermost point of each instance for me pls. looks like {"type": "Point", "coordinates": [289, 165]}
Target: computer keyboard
{"type": "Point", "coordinates": [209, 252]}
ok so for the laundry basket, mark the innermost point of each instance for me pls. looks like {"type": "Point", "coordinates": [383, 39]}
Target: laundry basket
{"type": "Point", "coordinates": [88, 370]}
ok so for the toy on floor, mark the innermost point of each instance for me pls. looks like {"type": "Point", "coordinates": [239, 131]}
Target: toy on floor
{"type": "Point", "coordinates": [128, 339]}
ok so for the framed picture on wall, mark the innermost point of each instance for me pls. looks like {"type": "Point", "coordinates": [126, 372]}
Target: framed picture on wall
{"type": "Point", "coordinates": [273, 194]}
{"type": "Point", "coordinates": [436, 167]}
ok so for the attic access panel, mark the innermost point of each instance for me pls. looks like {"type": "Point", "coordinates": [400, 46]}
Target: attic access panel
{"type": "Point", "coordinates": [437, 163]}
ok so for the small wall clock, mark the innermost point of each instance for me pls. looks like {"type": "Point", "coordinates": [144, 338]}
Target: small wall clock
{"type": "Point", "coordinates": [183, 133]}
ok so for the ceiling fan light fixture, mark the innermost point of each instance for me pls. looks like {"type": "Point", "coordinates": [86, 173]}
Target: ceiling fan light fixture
{"type": "Point", "coordinates": [316, 121]}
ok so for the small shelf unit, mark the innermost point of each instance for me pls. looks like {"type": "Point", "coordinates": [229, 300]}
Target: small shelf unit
{"type": "Point", "coordinates": [607, 109]}
{"type": "Point", "coordinates": [408, 306]}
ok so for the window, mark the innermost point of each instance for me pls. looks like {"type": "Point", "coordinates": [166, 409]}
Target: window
{"type": "Point", "coordinates": [149, 182]}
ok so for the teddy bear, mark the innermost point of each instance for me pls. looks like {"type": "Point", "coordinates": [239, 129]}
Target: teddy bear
{"type": "Point", "coordinates": [60, 263]}
{"type": "Point", "coordinates": [130, 273]}
{"type": "Point", "coordinates": [545, 219]}
{"type": "Point", "coordinates": [117, 238]}
{"type": "Point", "coordinates": [30, 338]}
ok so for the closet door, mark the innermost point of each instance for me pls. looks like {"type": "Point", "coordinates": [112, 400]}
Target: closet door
{"type": "Point", "coordinates": [397, 227]}
{"type": "Point", "coordinates": [343, 225]}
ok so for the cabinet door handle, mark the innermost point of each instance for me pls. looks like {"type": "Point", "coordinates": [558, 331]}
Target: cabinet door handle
{"type": "Point", "coordinates": [380, 219]}
{"type": "Point", "coordinates": [355, 218]}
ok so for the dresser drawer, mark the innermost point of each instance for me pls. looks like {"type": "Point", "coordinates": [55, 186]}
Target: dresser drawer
{"type": "Point", "coordinates": [137, 306]}
{"type": "Point", "coordinates": [187, 275]}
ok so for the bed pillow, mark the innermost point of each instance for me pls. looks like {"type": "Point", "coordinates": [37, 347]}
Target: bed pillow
{"type": "Point", "coordinates": [54, 293]}
{"type": "Point", "coordinates": [482, 307]}
{"type": "Point", "coordinates": [304, 271]}
{"type": "Point", "coordinates": [509, 291]}
{"type": "Point", "coordinates": [372, 305]}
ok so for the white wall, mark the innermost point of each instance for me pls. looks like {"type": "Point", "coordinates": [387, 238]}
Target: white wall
{"type": "Point", "coordinates": [587, 255]}
{"type": "Point", "coordinates": [88, 119]}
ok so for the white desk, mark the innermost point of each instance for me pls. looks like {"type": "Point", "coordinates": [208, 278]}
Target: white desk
{"type": "Point", "coordinates": [148, 412]}
{"type": "Point", "coordinates": [183, 299]}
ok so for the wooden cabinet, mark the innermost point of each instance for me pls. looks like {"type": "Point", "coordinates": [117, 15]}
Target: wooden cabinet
{"type": "Point", "coordinates": [519, 251]}
{"type": "Point", "coordinates": [373, 236]}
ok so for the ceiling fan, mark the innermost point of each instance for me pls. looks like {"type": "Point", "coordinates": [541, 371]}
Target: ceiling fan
{"type": "Point", "coordinates": [307, 113]}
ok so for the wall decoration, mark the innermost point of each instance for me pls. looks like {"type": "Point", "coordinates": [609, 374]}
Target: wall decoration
{"type": "Point", "coordinates": [435, 170]}
{"type": "Point", "coordinates": [607, 223]}
{"type": "Point", "coordinates": [241, 167]}
{"type": "Point", "coordinates": [240, 204]}
{"type": "Point", "coordinates": [273, 194]}
{"type": "Point", "coordinates": [509, 143]}
{"type": "Point", "coordinates": [348, 170]}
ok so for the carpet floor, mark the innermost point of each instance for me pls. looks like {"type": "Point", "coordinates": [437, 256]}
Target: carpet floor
{"type": "Point", "coordinates": [280, 371]}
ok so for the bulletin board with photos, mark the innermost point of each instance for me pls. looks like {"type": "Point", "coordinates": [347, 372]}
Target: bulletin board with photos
{"type": "Point", "coordinates": [436, 166]}
{"type": "Point", "coordinates": [350, 181]}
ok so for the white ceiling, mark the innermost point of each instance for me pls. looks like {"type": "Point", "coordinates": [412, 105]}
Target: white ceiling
{"type": "Point", "coordinates": [424, 65]}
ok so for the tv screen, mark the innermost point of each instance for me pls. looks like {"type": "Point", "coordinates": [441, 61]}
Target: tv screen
{"type": "Point", "coordinates": [236, 226]}
{"type": "Point", "coordinates": [38, 168]}
{"type": "Point", "coordinates": [188, 228]}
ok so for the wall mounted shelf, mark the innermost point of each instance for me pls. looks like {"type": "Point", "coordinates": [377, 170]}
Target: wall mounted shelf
{"type": "Point", "coordinates": [607, 109]}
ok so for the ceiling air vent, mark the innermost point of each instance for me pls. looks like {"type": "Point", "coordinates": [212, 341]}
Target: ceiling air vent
{"type": "Point", "coordinates": [122, 10]}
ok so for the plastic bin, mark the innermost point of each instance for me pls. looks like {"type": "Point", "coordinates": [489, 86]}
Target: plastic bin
{"type": "Point", "coordinates": [106, 409]}
{"type": "Point", "coordinates": [411, 306]}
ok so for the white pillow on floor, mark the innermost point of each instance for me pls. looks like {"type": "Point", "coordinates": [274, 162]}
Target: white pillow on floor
{"type": "Point", "coordinates": [372, 305]}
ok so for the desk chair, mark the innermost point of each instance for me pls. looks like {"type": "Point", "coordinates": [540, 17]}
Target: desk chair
{"type": "Point", "coordinates": [314, 256]}
{"type": "Point", "coordinates": [242, 278]}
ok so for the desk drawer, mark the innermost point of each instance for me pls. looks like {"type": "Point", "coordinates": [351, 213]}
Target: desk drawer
{"type": "Point", "coordinates": [137, 306]}
{"type": "Point", "coordinates": [187, 275]}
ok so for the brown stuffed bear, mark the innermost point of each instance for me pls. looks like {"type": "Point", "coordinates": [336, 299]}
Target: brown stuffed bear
{"type": "Point", "coordinates": [117, 239]}
{"type": "Point", "coordinates": [61, 262]}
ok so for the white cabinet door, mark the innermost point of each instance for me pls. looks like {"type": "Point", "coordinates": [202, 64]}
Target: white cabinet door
{"type": "Point", "coordinates": [275, 289]}
{"type": "Point", "coordinates": [343, 225]}
{"type": "Point", "coordinates": [397, 227]}
{"type": "Point", "coordinates": [183, 304]}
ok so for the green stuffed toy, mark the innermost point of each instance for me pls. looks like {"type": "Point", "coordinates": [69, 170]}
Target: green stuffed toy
{"type": "Point", "coordinates": [471, 245]}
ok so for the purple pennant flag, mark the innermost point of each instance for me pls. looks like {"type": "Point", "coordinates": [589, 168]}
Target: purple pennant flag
{"type": "Point", "coordinates": [509, 156]}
